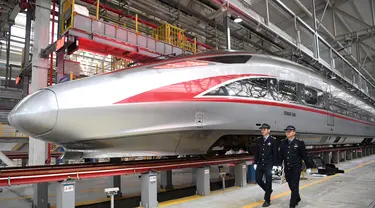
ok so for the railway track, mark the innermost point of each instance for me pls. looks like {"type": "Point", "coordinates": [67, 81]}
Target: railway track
{"type": "Point", "coordinates": [55, 173]}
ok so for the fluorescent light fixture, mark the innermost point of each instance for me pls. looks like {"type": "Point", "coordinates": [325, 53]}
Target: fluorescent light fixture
{"type": "Point", "coordinates": [238, 20]}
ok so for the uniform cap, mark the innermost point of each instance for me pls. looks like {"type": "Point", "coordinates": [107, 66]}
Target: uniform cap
{"type": "Point", "coordinates": [290, 128]}
{"type": "Point", "coordinates": [265, 126]}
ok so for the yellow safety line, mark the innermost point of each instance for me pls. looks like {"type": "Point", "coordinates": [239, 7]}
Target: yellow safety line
{"type": "Point", "coordinates": [194, 197]}
{"type": "Point", "coordinates": [179, 201]}
{"type": "Point", "coordinates": [254, 204]}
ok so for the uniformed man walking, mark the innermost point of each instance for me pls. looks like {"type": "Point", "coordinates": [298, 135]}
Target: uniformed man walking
{"type": "Point", "coordinates": [265, 158]}
{"type": "Point", "coordinates": [292, 152]}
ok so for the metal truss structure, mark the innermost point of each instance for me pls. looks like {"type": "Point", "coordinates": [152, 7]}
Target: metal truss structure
{"type": "Point", "coordinates": [334, 37]}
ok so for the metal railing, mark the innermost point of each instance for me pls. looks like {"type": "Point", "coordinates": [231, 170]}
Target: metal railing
{"type": "Point", "coordinates": [175, 36]}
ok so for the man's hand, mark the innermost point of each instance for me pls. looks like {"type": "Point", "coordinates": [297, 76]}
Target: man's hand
{"type": "Point", "coordinates": [255, 166]}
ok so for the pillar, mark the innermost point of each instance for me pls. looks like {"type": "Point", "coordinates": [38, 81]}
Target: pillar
{"type": "Point", "coordinates": [65, 194]}
{"type": "Point", "coordinates": [326, 158]}
{"type": "Point", "coordinates": [116, 180]}
{"type": "Point", "coordinates": [232, 170]}
{"type": "Point", "coordinates": [360, 153]}
{"type": "Point", "coordinates": [26, 52]}
{"type": "Point", "coordinates": [343, 155]}
{"type": "Point", "coordinates": [349, 155]}
{"type": "Point", "coordinates": [38, 148]}
{"type": "Point", "coordinates": [149, 190]}
{"type": "Point", "coordinates": [166, 180]}
{"type": "Point", "coordinates": [24, 162]}
{"type": "Point", "coordinates": [335, 157]}
{"type": "Point", "coordinates": [354, 154]}
{"type": "Point", "coordinates": [7, 76]}
{"type": "Point", "coordinates": [226, 20]}
{"type": "Point", "coordinates": [240, 175]}
{"type": "Point", "coordinates": [203, 181]}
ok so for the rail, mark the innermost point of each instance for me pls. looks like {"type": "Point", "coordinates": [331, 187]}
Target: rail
{"type": "Point", "coordinates": [340, 149]}
{"type": "Point", "coordinates": [30, 175]}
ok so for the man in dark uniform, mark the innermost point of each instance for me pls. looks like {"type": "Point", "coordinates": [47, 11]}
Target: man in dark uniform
{"type": "Point", "coordinates": [292, 152]}
{"type": "Point", "coordinates": [265, 158]}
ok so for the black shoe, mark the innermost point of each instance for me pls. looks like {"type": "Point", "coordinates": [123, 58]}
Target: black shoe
{"type": "Point", "coordinates": [298, 200]}
{"type": "Point", "coordinates": [292, 206]}
{"type": "Point", "coordinates": [266, 204]}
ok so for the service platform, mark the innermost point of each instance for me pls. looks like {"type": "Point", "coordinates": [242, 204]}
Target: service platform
{"type": "Point", "coordinates": [354, 189]}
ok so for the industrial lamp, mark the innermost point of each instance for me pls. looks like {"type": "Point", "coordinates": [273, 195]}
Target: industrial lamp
{"type": "Point", "coordinates": [237, 20]}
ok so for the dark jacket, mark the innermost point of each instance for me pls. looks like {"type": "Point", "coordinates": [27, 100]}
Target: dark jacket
{"type": "Point", "coordinates": [266, 152]}
{"type": "Point", "coordinates": [293, 154]}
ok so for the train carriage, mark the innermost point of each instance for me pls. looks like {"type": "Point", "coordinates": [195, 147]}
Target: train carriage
{"type": "Point", "coordinates": [193, 105]}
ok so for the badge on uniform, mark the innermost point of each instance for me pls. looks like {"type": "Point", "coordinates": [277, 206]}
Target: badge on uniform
{"type": "Point", "coordinates": [295, 145]}
{"type": "Point", "coordinates": [269, 144]}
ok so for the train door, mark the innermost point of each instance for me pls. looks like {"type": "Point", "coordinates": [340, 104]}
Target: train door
{"type": "Point", "coordinates": [329, 102]}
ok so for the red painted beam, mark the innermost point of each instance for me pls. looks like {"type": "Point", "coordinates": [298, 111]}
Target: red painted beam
{"type": "Point", "coordinates": [119, 12]}
{"type": "Point", "coordinates": [15, 177]}
{"type": "Point", "coordinates": [25, 155]}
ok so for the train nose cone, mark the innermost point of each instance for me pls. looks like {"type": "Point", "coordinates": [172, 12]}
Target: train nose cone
{"type": "Point", "coordinates": [35, 114]}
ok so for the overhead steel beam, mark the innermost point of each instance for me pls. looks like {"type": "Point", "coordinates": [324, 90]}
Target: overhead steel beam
{"type": "Point", "coordinates": [11, 17]}
{"type": "Point", "coordinates": [352, 17]}
{"type": "Point", "coordinates": [358, 36]}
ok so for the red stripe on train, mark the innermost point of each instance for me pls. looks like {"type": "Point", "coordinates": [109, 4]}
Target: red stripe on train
{"type": "Point", "coordinates": [186, 91]}
{"type": "Point", "coordinates": [183, 90]}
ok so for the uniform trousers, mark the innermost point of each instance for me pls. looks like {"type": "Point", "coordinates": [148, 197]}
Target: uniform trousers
{"type": "Point", "coordinates": [267, 187]}
{"type": "Point", "coordinates": [292, 176]}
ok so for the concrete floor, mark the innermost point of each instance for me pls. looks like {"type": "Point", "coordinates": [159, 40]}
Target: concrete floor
{"type": "Point", "coordinates": [92, 190]}
{"type": "Point", "coordinates": [354, 189]}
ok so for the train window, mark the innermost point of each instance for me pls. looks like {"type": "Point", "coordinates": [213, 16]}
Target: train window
{"type": "Point", "coordinates": [221, 91]}
{"type": "Point", "coordinates": [240, 59]}
{"type": "Point", "coordinates": [310, 96]}
{"type": "Point", "coordinates": [288, 91]}
{"type": "Point", "coordinates": [254, 88]}
{"type": "Point", "coordinates": [273, 88]}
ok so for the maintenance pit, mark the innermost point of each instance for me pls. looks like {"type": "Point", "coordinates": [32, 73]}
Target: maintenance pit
{"type": "Point", "coordinates": [354, 188]}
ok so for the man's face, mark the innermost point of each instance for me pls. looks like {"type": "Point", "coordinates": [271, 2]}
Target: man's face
{"type": "Point", "coordinates": [265, 131]}
{"type": "Point", "coordinates": [290, 133]}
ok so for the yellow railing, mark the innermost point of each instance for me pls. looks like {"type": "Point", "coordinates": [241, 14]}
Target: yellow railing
{"type": "Point", "coordinates": [166, 32]}
{"type": "Point", "coordinates": [119, 63]}
{"type": "Point", "coordinates": [8, 131]}
{"type": "Point", "coordinates": [175, 36]}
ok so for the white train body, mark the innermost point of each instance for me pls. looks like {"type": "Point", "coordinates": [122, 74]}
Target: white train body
{"type": "Point", "coordinates": [184, 105]}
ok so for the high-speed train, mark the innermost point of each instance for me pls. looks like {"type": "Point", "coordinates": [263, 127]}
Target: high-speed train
{"type": "Point", "coordinates": [193, 105]}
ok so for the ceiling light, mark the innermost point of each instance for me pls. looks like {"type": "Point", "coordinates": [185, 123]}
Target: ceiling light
{"type": "Point", "coordinates": [238, 20]}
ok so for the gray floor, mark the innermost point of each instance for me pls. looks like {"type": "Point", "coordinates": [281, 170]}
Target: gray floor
{"type": "Point", "coordinates": [355, 189]}
{"type": "Point", "coordinates": [92, 190]}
